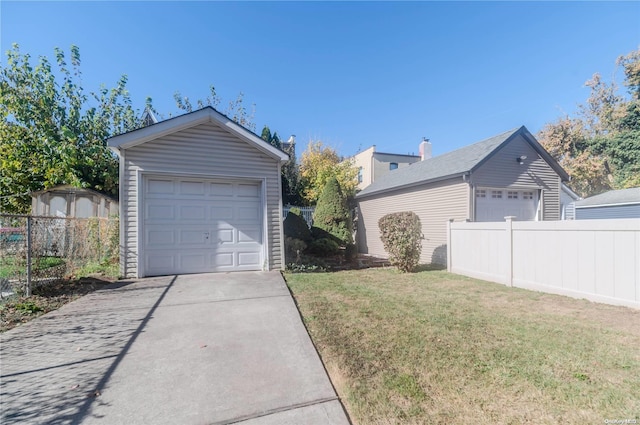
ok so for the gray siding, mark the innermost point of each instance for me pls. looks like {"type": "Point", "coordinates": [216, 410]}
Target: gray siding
{"type": "Point", "coordinates": [503, 171]}
{"type": "Point", "coordinates": [208, 151]}
{"type": "Point", "coordinates": [435, 203]}
{"type": "Point", "coordinates": [612, 211]}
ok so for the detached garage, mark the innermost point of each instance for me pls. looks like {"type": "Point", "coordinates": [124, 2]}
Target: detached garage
{"type": "Point", "coordinates": [198, 193]}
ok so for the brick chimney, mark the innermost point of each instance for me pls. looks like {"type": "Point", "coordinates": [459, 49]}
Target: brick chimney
{"type": "Point", "coordinates": [425, 149]}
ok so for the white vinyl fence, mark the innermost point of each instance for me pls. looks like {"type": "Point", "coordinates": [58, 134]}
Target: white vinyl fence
{"type": "Point", "coordinates": [594, 259]}
{"type": "Point", "coordinates": [307, 213]}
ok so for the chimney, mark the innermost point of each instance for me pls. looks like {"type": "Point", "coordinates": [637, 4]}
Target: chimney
{"type": "Point", "coordinates": [425, 149]}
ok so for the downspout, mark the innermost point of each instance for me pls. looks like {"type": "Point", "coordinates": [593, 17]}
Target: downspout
{"type": "Point", "coordinates": [471, 212]}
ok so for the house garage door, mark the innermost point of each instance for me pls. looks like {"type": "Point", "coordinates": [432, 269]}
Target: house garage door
{"type": "Point", "coordinates": [496, 204]}
{"type": "Point", "coordinates": [195, 225]}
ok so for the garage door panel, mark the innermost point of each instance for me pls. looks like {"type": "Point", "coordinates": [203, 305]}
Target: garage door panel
{"type": "Point", "coordinates": [247, 213]}
{"type": "Point", "coordinates": [221, 189]}
{"type": "Point", "coordinates": [248, 259]}
{"type": "Point", "coordinates": [192, 188]}
{"type": "Point", "coordinates": [222, 212]}
{"type": "Point", "coordinates": [160, 212]}
{"type": "Point", "coordinates": [224, 235]}
{"type": "Point", "coordinates": [248, 234]}
{"type": "Point", "coordinates": [160, 237]}
{"type": "Point", "coordinates": [201, 225]}
{"type": "Point", "coordinates": [248, 190]}
{"type": "Point", "coordinates": [156, 186]}
{"type": "Point", "coordinates": [192, 212]}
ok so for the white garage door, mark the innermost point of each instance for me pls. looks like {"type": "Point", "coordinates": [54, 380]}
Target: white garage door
{"type": "Point", "coordinates": [196, 226]}
{"type": "Point", "coordinates": [496, 204]}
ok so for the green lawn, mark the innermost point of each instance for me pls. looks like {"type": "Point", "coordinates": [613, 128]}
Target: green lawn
{"type": "Point", "coordinates": [433, 347]}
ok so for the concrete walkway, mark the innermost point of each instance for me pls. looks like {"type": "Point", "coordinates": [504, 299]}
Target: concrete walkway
{"type": "Point", "coordinates": [193, 349]}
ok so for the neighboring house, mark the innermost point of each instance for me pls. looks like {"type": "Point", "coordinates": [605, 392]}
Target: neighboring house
{"type": "Point", "coordinates": [624, 203]}
{"type": "Point", "coordinates": [567, 203]}
{"type": "Point", "coordinates": [510, 174]}
{"type": "Point", "coordinates": [372, 165]}
{"type": "Point", "coordinates": [198, 193]}
{"type": "Point", "coordinates": [69, 201]}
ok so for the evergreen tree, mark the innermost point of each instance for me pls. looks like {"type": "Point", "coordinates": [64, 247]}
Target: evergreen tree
{"type": "Point", "coordinates": [332, 213]}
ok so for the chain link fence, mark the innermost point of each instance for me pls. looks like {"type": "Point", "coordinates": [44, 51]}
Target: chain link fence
{"type": "Point", "coordinates": [38, 250]}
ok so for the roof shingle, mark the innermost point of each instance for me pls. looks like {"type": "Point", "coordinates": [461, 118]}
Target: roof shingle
{"type": "Point", "coordinates": [452, 163]}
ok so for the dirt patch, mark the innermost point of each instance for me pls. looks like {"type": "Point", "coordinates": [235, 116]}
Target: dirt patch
{"type": "Point", "coordinates": [46, 298]}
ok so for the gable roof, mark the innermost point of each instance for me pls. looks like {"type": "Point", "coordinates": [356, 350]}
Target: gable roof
{"type": "Point", "coordinates": [192, 119]}
{"type": "Point", "coordinates": [458, 162]}
{"type": "Point", "coordinates": [613, 197]}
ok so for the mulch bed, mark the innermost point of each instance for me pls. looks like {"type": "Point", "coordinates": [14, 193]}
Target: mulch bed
{"type": "Point", "coordinates": [51, 296]}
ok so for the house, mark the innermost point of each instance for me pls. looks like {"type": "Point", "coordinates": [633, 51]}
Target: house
{"type": "Point", "coordinates": [198, 193]}
{"type": "Point", "coordinates": [567, 202]}
{"type": "Point", "coordinates": [510, 174]}
{"type": "Point", "coordinates": [69, 201]}
{"type": "Point", "coordinates": [373, 165]}
{"type": "Point", "coordinates": [624, 203]}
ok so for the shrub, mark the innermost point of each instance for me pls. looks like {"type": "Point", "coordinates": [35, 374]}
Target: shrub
{"type": "Point", "coordinates": [401, 235]}
{"type": "Point", "coordinates": [332, 213]}
{"type": "Point", "coordinates": [293, 248]}
{"type": "Point", "coordinates": [350, 252]}
{"type": "Point", "coordinates": [324, 247]}
{"type": "Point", "coordinates": [295, 226]}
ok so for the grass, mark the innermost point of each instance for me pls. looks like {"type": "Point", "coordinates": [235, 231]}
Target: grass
{"type": "Point", "coordinates": [433, 347]}
{"type": "Point", "coordinates": [11, 266]}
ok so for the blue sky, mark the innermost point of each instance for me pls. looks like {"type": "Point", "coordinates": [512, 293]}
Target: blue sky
{"type": "Point", "coordinates": [349, 74]}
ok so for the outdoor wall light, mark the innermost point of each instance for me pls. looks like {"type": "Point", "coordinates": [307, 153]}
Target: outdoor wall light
{"type": "Point", "coordinates": [521, 159]}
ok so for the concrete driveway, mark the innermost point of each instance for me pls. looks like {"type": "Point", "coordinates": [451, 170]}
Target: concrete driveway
{"type": "Point", "coordinates": [193, 349]}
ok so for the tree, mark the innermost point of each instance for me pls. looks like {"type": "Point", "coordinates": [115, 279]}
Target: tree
{"type": "Point", "coordinates": [235, 108]}
{"type": "Point", "coordinates": [52, 132]}
{"type": "Point", "coordinates": [272, 139]}
{"type": "Point", "coordinates": [319, 163]}
{"type": "Point", "coordinates": [290, 180]}
{"type": "Point", "coordinates": [600, 148]}
{"type": "Point", "coordinates": [332, 214]}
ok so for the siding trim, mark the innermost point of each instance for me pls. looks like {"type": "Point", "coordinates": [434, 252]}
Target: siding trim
{"type": "Point", "coordinates": [607, 205]}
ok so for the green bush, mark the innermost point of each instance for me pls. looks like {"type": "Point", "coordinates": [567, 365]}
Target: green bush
{"type": "Point", "coordinates": [350, 252]}
{"type": "Point", "coordinates": [332, 213]}
{"type": "Point", "coordinates": [296, 227]}
{"type": "Point", "coordinates": [401, 235]}
{"type": "Point", "coordinates": [293, 248]}
{"type": "Point", "coordinates": [324, 247]}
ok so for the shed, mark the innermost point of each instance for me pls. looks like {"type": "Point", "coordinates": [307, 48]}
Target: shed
{"type": "Point", "coordinates": [623, 203]}
{"type": "Point", "coordinates": [510, 174]}
{"type": "Point", "coordinates": [198, 193]}
{"type": "Point", "coordinates": [69, 201]}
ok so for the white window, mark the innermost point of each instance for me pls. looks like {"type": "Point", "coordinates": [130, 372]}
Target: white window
{"type": "Point", "coordinates": [527, 195]}
{"type": "Point", "coordinates": [481, 193]}
{"type": "Point", "coordinates": [393, 165]}
{"type": "Point", "coordinates": [496, 194]}
{"type": "Point", "coordinates": [360, 175]}
{"type": "Point", "coordinates": [512, 195]}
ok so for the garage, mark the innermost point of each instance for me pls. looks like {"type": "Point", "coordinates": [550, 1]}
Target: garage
{"type": "Point", "coordinates": [494, 204]}
{"type": "Point", "coordinates": [201, 225]}
{"type": "Point", "coordinates": [199, 193]}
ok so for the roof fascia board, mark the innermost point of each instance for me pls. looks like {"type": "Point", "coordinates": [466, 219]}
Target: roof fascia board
{"type": "Point", "coordinates": [580, 207]}
{"type": "Point", "coordinates": [407, 186]}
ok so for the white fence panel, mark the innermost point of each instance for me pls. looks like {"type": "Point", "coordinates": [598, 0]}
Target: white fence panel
{"type": "Point", "coordinates": [594, 259]}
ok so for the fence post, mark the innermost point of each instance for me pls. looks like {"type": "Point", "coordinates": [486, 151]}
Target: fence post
{"type": "Point", "coordinates": [509, 221]}
{"type": "Point", "coordinates": [28, 291]}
